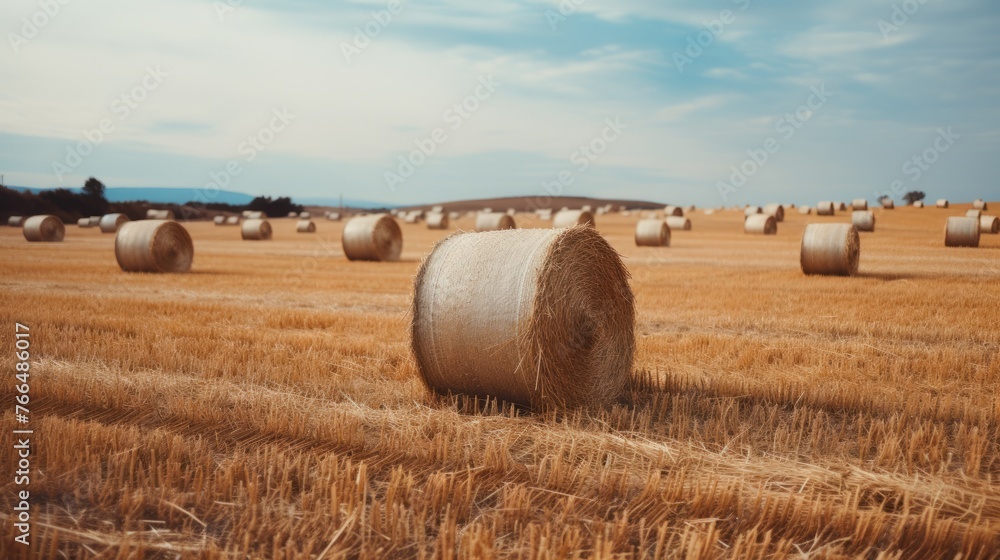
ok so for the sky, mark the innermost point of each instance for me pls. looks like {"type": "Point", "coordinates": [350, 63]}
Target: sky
{"type": "Point", "coordinates": [725, 102]}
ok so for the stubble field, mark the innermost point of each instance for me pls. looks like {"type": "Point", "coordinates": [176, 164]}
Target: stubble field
{"type": "Point", "coordinates": [267, 405]}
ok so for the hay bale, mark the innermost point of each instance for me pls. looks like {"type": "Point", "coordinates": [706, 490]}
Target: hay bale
{"type": "Point", "coordinates": [761, 224]}
{"type": "Point", "coordinates": [678, 223]}
{"type": "Point", "coordinates": [673, 211]}
{"type": "Point", "coordinates": [830, 249]}
{"type": "Point", "coordinates": [15, 221]}
{"type": "Point", "coordinates": [652, 233]}
{"type": "Point", "coordinates": [570, 218]}
{"type": "Point", "coordinates": [863, 220]}
{"type": "Point", "coordinates": [305, 215]}
{"type": "Point", "coordinates": [943, 203]}
{"type": "Point", "coordinates": [805, 210]}
{"type": "Point", "coordinates": [494, 221]}
{"type": "Point", "coordinates": [94, 221]}
{"type": "Point", "coordinates": [842, 206]}
{"type": "Point", "coordinates": [233, 221]}
{"type": "Point", "coordinates": [376, 237]}
{"type": "Point", "coordinates": [437, 220]}
{"type": "Point", "coordinates": [511, 212]}
{"type": "Point", "coordinates": [293, 215]}
{"type": "Point", "coordinates": [980, 204]}
{"type": "Point", "coordinates": [410, 218]}
{"type": "Point", "coordinates": [44, 227]}
{"type": "Point", "coordinates": [454, 215]}
{"type": "Point", "coordinates": [154, 246]}
{"type": "Point", "coordinates": [543, 318]}
{"type": "Point", "coordinates": [437, 210]}
{"type": "Point", "coordinates": [219, 220]}
{"type": "Point", "coordinates": [918, 204]}
{"type": "Point", "coordinates": [84, 222]}
{"type": "Point", "coordinates": [245, 214]}
{"type": "Point", "coordinates": [152, 213]}
{"type": "Point", "coordinates": [709, 211]}
{"type": "Point", "coordinates": [255, 229]}
{"type": "Point", "coordinates": [305, 226]}
{"type": "Point", "coordinates": [859, 204]}
{"type": "Point", "coordinates": [962, 232]}
{"type": "Point", "coordinates": [825, 208]}
{"type": "Point", "coordinates": [776, 210]}
{"type": "Point", "coordinates": [333, 216]}
{"type": "Point", "coordinates": [973, 214]}
{"type": "Point", "coordinates": [888, 204]}
{"type": "Point", "coordinates": [256, 216]}
{"type": "Point", "coordinates": [989, 225]}
{"type": "Point", "coordinates": [111, 222]}
{"type": "Point", "coordinates": [751, 210]}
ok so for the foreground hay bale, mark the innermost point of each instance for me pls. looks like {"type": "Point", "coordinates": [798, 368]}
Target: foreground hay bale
{"type": "Point", "coordinates": [559, 330]}
{"type": "Point", "coordinates": [980, 204]}
{"type": "Point", "coordinates": [305, 226]}
{"type": "Point", "coordinates": [255, 229]}
{"type": "Point", "coordinates": [962, 232]}
{"type": "Point", "coordinates": [830, 249]}
{"type": "Point", "coordinates": [437, 220]}
{"type": "Point", "coordinates": [154, 246]}
{"type": "Point", "coordinates": [761, 224]}
{"type": "Point", "coordinates": [494, 221]}
{"type": "Point", "coordinates": [776, 210]}
{"type": "Point", "coordinates": [679, 223]}
{"type": "Point", "coordinates": [571, 218]}
{"type": "Point", "coordinates": [652, 233]}
{"type": "Point", "coordinates": [111, 222]}
{"type": "Point", "coordinates": [44, 228]}
{"type": "Point", "coordinates": [15, 221]}
{"type": "Point", "coordinates": [825, 208]}
{"type": "Point", "coordinates": [943, 203]}
{"type": "Point", "coordinates": [989, 225]}
{"type": "Point", "coordinates": [859, 204]}
{"type": "Point", "coordinates": [376, 237]}
{"type": "Point", "coordinates": [863, 220]}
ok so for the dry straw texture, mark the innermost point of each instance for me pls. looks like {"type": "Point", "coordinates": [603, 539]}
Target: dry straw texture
{"type": "Point", "coordinates": [673, 211]}
{"type": "Point", "coordinates": [825, 208]}
{"type": "Point", "coordinates": [974, 214]}
{"type": "Point", "coordinates": [154, 246]}
{"type": "Point", "coordinates": [761, 224]}
{"type": "Point", "coordinates": [494, 221]}
{"type": "Point", "coordinates": [305, 226]}
{"type": "Point", "coordinates": [375, 237]}
{"type": "Point", "coordinates": [943, 203]}
{"type": "Point", "coordinates": [542, 318]}
{"type": "Point", "coordinates": [44, 228]}
{"type": "Point", "coordinates": [652, 233]}
{"type": "Point", "coordinates": [570, 218]}
{"type": "Point", "coordinates": [111, 222]}
{"type": "Point", "coordinates": [679, 223]}
{"type": "Point", "coordinates": [830, 249]}
{"type": "Point", "coordinates": [437, 220]}
{"type": "Point", "coordinates": [751, 210]}
{"type": "Point", "coordinates": [989, 224]}
{"type": "Point", "coordinates": [776, 210]}
{"type": "Point", "coordinates": [15, 221]}
{"type": "Point", "coordinates": [961, 232]}
{"type": "Point", "coordinates": [863, 220]}
{"type": "Point", "coordinates": [859, 204]}
{"type": "Point", "coordinates": [980, 204]}
{"type": "Point", "coordinates": [254, 229]}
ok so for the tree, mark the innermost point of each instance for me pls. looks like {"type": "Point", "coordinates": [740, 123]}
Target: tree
{"type": "Point", "coordinates": [94, 189]}
{"type": "Point", "coordinates": [914, 196]}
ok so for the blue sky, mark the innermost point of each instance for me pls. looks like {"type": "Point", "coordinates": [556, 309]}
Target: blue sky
{"type": "Point", "coordinates": [295, 100]}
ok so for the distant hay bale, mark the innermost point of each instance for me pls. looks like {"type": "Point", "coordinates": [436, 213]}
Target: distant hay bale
{"type": "Point", "coordinates": [154, 246]}
{"type": "Point", "coordinates": [943, 203]}
{"type": "Point", "coordinates": [830, 249]}
{"type": "Point", "coordinates": [709, 211]}
{"type": "Point", "coordinates": [255, 229]}
{"type": "Point", "coordinates": [962, 232]}
{"type": "Point", "coordinates": [437, 210]}
{"type": "Point", "coordinates": [44, 227]}
{"type": "Point", "coordinates": [111, 222]}
{"type": "Point", "coordinates": [233, 221]}
{"type": "Point", "coordinates": [859, 204]}
{"type": "Point", "coordinates": [652, 233]}
{"type": "Point", "coordinates": [825, 208]}
{"type": "Point", "coordinates": [454, 215]}
{"type": "Point", "coordinates": [561, 320]}
{"type": "Point", "coordinates": [256, 216]}
{"type": "Point", "coordinates": [918, 204]}
{"type": "Point", "coordinates": [980, 204]}
{"type": "Point", "coordinates": [437, 220]}
{"type": "Point", "coordinates": [494, 221]}
{"type": "Point", "coordinates": [511, 212]}
{"type": "Point", "coordinates": [805, 210]}
{"type": "Point", "coordinates": [219, 220]}
{"type": "Point", "coordinates": [305, 215]}
{"type": "Point", "coordinates": [973, 213]}
{"type": "Point", "coordinates": [410, 218]}
{"type": "Point", "coordinates": [15, 221]}
{"type": "Point", "coordinates": [94, 221]}
{"type": "Point", "coordinates": [751, 210]}
{"type": "Point", "coordinates": [375, 237]}
{"type": "Point", "coordinates": [333, 216]}
{"type": "Point", "coordinates": [761, 224]}
{"type": "Point", "coordinates": [245, 214]}
{"type": "Point", "coordinates": [888, 204]}
{"type": "Point", "coordinates": [487, 210]}
{"type": "Point", "coordinates": [673, 211]}
{"type": "Point", "coordinates": [842, 206]}
{"type": "Point", "coordinates": [863, 220]}
{"type": "Point", "coordinates": [989, 225]}
{"type": "Point", "coordinates": [84, 222]}
{"type": "Point", "coordinates": [293, 215]}
{"type": "Point", "coordinates": [305, 226]}
{"type": "Point", "coordinates": [570, 218]}
{"type": "Point", "coordinates": [152, 213]}
{"type": "Point", "coordinates": [678, 223]}
{"type": "Point", "coordinates": [776, 210]}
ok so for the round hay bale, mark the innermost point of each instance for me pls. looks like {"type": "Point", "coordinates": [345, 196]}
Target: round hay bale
{"type": "Point", "coordinates": [293, 215]}
{"type": "Point", "coordinates": [257, 216]}
{"type": "Point", "coordinates": [233, 221]}
{"type": "Point", "coordinates": [111, 222]}
{"type": "Point", "coordinates": [152, 213]}
{"type": "Point", "coordinates": [305, 215]}
{"type": "Point", "coordinates": [825, 208]}
{"type": "Point", "coordinates": [84, 222]}
{"type": "Point", "coordinates": [888, 204]}
{"type": "Point", "coordinates": [842, 206]}
{"type": "Point", "coordinates": [989, 225]}
{"type": "Point", "coordinates": [709, 211]}
{"type": "Point", "coordinates": [411, 218]}
{"type": "Point", "coordinates": [673, 211]}
{"type": "Point", "coordinates": [918, 204]}
{"type": "Point", "coordinates": [776, 210]}
{"type": "Point", "coordinates": [95, 221]}
{"type": "Point", "coordinates": [805, 210]}
{"type": "Point", "coordinates": [863, 220]}
{"type": "Point", "coordinates": [559, 332]}
{"type": "Point", "coordinates": [511, 212]}
{"type": "Point", "coordinates": [980, 204]}
{"type": "Point", "coordinates": [570, 218]}
{"type": "Point", "coordinates": [962, 232]}
{"type": "Point", "coordinates": [943, 203]}
{"type": "Point", "coordinates": [305, 226]}
{"type": "Point", "coordinates": [652, 233]}
{"type": "Point", "coordinates": [255, 229]}
{"type": "Point", "coordinates": [751, 210]}
{"type": "Point", "coordinates": [154, 246]}
{"type": "Point", "coordinates": [973, 214]}
{"type": "Point", "coordinates": [859, 204]}
{"type": "Point", "coordinates": [437, 209]}
{"type": "Point", "coordinates": [44, 227]}
{"type": "Point", "coordinates": [334, 216]}
{"type": "Point", "coordinates": [761, 224]}
{"type": "Point", "coordinates": [437, 220]}
{"type": "Point", "coordinates": [678, 223]}
{"type": "Point", "coordinates": [830, 249]}
{"type": "Point", "coordinates": [454, 215]}
{"type": "Point", "coordinates": [494, 221]}
{"type": "Point", "coordinates": [245, 214]}
{"type": "Point", "coordinates": [15, 221]}
{"type": "Point", "coordinates": [376, 237]}
{"type": "Point", "coordinates": [219, 220]}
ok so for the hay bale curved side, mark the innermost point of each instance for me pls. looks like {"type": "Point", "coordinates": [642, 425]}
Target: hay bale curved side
{"type": "Point", "coordinates": [494, 221]}
{"type": "Point", "coordinates": [830, 249]}
{"type": "Point", "coordinates": [805, 210]}
{"type": "Point", "coordinates": [679, 223]}
{"type": "Point", "coordinates": [825, 208]}
{"type": "Point", "coordinates": [989, 225]}
{"type": "Point", "coordinates": [859, 204]}
{"type": "Point", "coordinates": [652, 233]}
{"type": "Point", "coordinates": [305, 226]}
{"type": "Point", "coordinates": [254, 229]}
{"type": "Point", "coordinates": [572, 218]}
{"type": "Point", "coordinates": [918, 204]}
{"type": "Point", "coordinates": [863, 220]}
{"type": "Point", "coordinates": [560, 328]}
{"type": "Point", "coordinates": [376, 237]}
{"type": "Point", "coordinates": [974, 214]}
{"type": "Point", "coordinates": [44, 227]}
{"type": "Point", "coordinates": [980, 204]}
{"type": "Point", "coordinates": [751, 210]}
{"type": "Point", "coordinates": [761, 224]}
{"type": "Point", "coordinates": [942, 203]}
{"type": "Point", "coordinates": [437, 220]}
{"type": "Point", "coordinates": [15, 221]}
{"type": "Point", "coordinates": [154, 246]}
{"type": "Point", "coordinates": [111, 222]}
{"type": "Point", "coordinates": [961, 232]}
{"type": "Point", "coordinates": [673, 211]}
{"type": "Point", "coordinates": [776, 210]}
